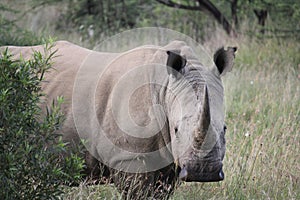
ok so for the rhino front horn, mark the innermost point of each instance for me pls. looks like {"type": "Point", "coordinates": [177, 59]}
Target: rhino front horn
{"type": "Point", "coordinates": [204, 120]}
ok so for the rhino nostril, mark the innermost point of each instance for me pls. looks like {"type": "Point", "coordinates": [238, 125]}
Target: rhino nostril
{"type": "Point", "coordinates": [221, 175]}
{"type": "Point", "coordinates": [183, 173]}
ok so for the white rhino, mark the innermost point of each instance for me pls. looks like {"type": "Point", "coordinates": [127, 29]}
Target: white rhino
{"type": "Point", "coordinates": [149, 116]}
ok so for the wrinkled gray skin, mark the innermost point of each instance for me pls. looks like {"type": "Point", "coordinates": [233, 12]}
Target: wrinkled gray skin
{"type": "Point", "coordinates": [200, 126]}
{"type": "Point", "coordinates": [191, 97]}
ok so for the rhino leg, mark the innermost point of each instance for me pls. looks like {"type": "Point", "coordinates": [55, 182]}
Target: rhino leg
{"type": "Point", "coordinates": [157, 185]}
{"type": "Point", "coordinates": [96, 172]}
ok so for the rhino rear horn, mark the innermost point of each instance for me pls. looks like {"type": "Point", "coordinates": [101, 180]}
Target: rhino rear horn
{"type": "Point", "coordinates": [224, 59]}
{"type": "Point", "coordinates": [175, 61]}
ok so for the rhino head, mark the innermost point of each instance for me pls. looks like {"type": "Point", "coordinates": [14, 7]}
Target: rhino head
{"type": "Point", "coordinates": [196, 115]}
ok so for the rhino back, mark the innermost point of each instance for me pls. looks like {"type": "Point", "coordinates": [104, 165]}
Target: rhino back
{"type": "Point", "coordinates": [60, 79]}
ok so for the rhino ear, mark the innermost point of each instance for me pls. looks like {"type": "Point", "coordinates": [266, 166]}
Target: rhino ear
{"type": "Point", "coordinates": [175, 61]}
{"type": "Point", "coordinates": [224, 59]}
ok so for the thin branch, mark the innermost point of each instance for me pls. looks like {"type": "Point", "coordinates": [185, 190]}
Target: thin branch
{"type": "Point", "coordinates": [204, 6]}
{"type": "Point", "coordinates": [218, 15]}
{"type": "Point", "coordinates": [172, 4]}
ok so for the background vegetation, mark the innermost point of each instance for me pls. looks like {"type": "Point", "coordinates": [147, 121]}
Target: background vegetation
{"type": "Point", "coordinates": [262, 92]}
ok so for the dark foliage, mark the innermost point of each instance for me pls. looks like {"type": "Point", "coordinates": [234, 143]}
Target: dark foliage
{"type": "Point", "coordinates": [33, 163]}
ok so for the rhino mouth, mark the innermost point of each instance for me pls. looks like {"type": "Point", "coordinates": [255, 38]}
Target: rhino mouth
{"type": "Point", "coordinates": [188, 174]}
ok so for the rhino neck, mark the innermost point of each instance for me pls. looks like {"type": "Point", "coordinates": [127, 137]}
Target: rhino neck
{"type": "Point", "coordinates": [130, 111]}
{"type": "Point", "coordinates": [160, 101]}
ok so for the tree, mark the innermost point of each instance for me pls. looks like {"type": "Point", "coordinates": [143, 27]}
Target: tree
{"type": "Point", "coordinates": [203, 6]}
{"type": "Point", "coordinates": [276, 17]}
{"type": "Point", "coordinates": [233, 8]}
{"type": "Point", "coordinates": [95, 19]}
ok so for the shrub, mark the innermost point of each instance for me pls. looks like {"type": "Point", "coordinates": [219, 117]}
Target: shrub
{"type": "Point", "coordinates": [33, 159]}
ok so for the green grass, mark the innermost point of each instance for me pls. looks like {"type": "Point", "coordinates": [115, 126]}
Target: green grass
{"type": "Point", "coordinates": [263, 116]}
{"type": "Point", "coordinates": [263, 119]}
{"type": "Point", "coordinates": [91, 192]}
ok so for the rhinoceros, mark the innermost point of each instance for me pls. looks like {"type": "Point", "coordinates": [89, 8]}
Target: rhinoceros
{"type": "Point", "coordinates": [149, 116]}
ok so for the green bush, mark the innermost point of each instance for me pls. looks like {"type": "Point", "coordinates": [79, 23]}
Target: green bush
{"type": "Point", "coordinates": [33, 158]}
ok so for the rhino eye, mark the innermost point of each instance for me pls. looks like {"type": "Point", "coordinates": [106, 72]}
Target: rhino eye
{"type": "Point", "coordinates": [224, 129]}
{"type": "Point", "coordinates": [176, 129]}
